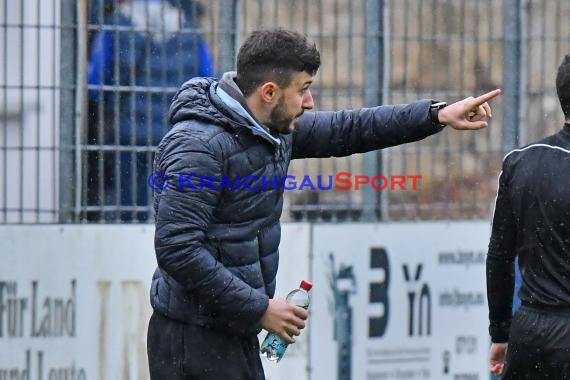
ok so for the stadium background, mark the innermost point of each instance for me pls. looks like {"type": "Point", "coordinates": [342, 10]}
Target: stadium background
{"type": "Point", "coordinates": [374, 52]}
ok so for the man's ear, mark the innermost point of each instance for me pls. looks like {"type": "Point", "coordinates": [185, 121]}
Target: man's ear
{"type": "Point", "coordinates": [268, 92]}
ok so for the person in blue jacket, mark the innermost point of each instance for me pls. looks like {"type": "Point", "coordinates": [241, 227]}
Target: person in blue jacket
{"type": "Point", "coordinates": [145, 50]}
{"type": "Point", "coordinates": [216, 239]}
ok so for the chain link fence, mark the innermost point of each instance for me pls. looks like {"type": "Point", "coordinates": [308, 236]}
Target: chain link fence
{"type": "Point", "coordinates": [85, 88]}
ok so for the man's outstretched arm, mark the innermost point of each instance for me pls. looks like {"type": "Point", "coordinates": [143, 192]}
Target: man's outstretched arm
{"type": "Point", "coordinates": [342, 133]}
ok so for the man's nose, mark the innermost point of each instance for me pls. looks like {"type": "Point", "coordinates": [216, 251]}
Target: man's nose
{"type": "Point", "coordinates": [308, 103]}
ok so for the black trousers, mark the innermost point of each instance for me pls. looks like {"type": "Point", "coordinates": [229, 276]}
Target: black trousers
{"type": "Point", "coordinates": [180, 351]}
{"type": "Point", "coordinates": [539, 345]}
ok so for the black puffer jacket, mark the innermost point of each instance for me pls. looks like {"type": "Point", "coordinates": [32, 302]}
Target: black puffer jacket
{"type": "Point", "coordinates": [217, 248]}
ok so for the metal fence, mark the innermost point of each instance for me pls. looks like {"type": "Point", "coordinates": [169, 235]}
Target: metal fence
{"type": "Point", "coordinates": [81, 84]}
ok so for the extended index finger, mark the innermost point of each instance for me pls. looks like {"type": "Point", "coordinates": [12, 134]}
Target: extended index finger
{"type": "Point", "coordinates": [486, 97]}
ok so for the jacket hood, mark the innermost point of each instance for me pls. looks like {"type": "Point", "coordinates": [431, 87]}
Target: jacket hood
{"type": "Point", "coordinates": [197, 100]}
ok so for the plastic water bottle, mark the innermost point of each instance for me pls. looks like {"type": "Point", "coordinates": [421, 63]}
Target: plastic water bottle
{"type": "Point", "coordinates": [273, 347]}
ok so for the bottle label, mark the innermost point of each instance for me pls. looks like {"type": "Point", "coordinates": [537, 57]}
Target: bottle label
{"type": "Point", "coordinates": [277, 345]}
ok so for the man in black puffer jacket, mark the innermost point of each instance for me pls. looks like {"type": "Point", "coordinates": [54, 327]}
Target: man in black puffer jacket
{"type": "Point", "coordinates": [217, 213]}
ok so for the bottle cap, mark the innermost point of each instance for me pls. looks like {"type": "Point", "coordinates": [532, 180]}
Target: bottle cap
{"type": "Point", "coordinates": [306, 285]}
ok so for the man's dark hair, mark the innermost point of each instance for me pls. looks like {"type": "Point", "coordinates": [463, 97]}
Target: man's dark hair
{"type": "Point", "coordinates": [274, 55]}
{"type": "Point", "coordinates": [563, 86]}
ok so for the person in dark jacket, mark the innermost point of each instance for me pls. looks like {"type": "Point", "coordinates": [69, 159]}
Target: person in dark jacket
{"type": "Point", "coordinates": [219, 199]}
{"type": "Point", "coordinates": [532, 221]}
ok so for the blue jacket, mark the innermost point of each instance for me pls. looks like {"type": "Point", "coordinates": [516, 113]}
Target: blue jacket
{"type": "Point", "coordinates": [217, 248]}
{"type": "Point", "coordinates": [151, 68]}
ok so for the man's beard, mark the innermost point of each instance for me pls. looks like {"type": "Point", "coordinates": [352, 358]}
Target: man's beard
{"type": "Point", "coordinates": [280, 121]}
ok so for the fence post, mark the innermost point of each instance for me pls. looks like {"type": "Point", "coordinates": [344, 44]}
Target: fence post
{"type": "Point", "coordinates": [372, 161]}
{"type": "Point", "coordinates": [512, 79]}
{"type": "Point", "coordinates": [68, 70]}
{"type": "Point", "coordinates": [512, 75]}
{"type": "Point", "coordinates": [228, 35]}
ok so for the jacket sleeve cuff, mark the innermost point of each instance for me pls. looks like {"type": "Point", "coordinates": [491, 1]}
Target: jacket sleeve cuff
{"type": "Point", "coordinates": [499, 332]}
{"type": "Point", "coordinates": [430, 125]}
{"type": "Point", "coordinates": [248, 319]}
{"type": "Point", "coordinates": [257, 308]}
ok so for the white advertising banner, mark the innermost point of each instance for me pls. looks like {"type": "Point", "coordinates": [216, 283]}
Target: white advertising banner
{"type": "Point", "coordinates": [390, 301]}
{"type": "Point", "coordinates": [399, 301]}
{"type": "Point", "coordinates": [74, 302]}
